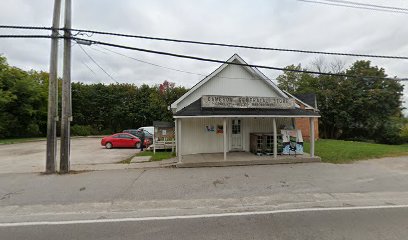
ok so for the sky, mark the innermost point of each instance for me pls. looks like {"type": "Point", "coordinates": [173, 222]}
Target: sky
{"type": "Point", "coordinates": [266, 23]}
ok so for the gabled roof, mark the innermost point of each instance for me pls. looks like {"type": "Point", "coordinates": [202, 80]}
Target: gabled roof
{"type": "Point", "coordinates": [237, 58]}
{"type": "Point", "coordinates": [309, 100]}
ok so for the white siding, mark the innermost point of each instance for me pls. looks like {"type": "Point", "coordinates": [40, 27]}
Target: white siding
{"type": "Point", "coordinates": [195, 138]}
{"type": "Point", "coordinates": [239, 82]}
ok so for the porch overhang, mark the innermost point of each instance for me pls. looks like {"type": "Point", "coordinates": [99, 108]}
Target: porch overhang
{"type": "Point", "coordinates": [194, 110]}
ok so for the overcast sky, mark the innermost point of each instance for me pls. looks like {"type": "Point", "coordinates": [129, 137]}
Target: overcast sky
{"type": "Point", "coordinates": [268, 23]}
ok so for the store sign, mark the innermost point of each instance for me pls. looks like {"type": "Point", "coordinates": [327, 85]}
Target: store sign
{"type": "Point", "coordinates": [247, 102]}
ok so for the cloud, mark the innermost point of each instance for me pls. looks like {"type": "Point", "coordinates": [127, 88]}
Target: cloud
{"type": "Point", "coordinates": [284, 24]}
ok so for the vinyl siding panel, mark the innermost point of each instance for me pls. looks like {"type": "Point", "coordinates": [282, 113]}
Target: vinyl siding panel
{"type": "Point", "coordinates": [195, 138]}
{"type": "Point", "coordinates": [239, 82]}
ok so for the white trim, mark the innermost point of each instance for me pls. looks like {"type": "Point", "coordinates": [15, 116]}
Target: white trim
{"type": "Point", "coordinates": [219, 69]}
{"type": "Point", "coordinates": [275, 139]}
{"type": "Point", "coordinates": [224, 131]}
{"type": "Point", "coordinates": [307, 106]}
{"type": "Point", "coordinates": [211, 215]}
{"type": "Point", "coordinates": [247, 116]}
{"type": "Point", "coordinates": [312, 137]}
{"type": "Point", "coordinates": [180, 148]}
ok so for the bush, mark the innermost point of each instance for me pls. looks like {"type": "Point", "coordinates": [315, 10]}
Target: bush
{"type": "Point", "coordinates": [80, 130]}
{"type": "Point", "coordinates": [33, 130]}
{"type": "Point", "coordinates": [390, 132]}
{"type": "Point", "coordinates": [404, 133]}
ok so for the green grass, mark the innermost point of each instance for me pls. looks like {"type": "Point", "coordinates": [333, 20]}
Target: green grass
{"type": "Point", "coordinates": [338, 151]}
{"type": "Point", "coordinates": [154, 157]}
{"type": "Point", "coordinates": [158, 156]}
{"type": "Point", "coordinates": [19, 140]}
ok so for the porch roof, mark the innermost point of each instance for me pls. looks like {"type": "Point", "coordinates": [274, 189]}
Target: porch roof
{"type": "Point", "coordinates": [195, 110]}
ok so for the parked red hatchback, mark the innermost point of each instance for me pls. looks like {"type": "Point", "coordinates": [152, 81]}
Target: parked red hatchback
{"type": "Point", "coordinates": [121, 140]}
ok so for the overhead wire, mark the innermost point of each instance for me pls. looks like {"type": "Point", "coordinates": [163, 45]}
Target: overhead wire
{"type": "Point", "coordinates": [169, 68]}
{"type": "Point", "coordinates": [142, 61]}
{"type": "Point", "coordinates": [97, 64]}
{"type": "Point", "coordinates": [204, 59]}
{"type": "Point", "coordinates": [351, 6]}
{"type": "Point", "coordinates": [83, 31]}
{"type": "Point", "coordinates": [225, 62]}
{"type": "Point", "coordinates": [367, 4]}
{"type": "Point", "coordinates": [23, 36]}
{"type": "Point", "coordinates": [238, 46]}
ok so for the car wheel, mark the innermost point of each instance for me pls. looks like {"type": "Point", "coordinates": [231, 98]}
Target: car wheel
{"type": "Point", "coordinates": [138, 145]}
{"type": "Point", "coordinates": [108, 145]}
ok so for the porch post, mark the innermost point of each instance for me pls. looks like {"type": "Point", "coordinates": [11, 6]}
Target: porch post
{"type": "Point", "coordinates": [275, 140]}
{"type": "Point", "coordinates": [224, 128]}
{"type": "Point", "coordinates": [175, 136]}
{"type": "Point", "coordinates": [312, 137]}
{"type": "Point", "coordinates": [179, 140]}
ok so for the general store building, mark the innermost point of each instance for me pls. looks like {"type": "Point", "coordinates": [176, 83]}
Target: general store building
{"type": "Point", "coordinates": [217, 116]}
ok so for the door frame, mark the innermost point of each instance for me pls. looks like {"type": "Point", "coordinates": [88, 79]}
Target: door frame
{"type": "Point", "coordinates": [230, 135]}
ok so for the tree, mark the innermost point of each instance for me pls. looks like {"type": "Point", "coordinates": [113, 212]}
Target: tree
{"type": "Point", "coordinates": [23, 101]}
{"type": "Point", "coordinates": [359, 108]}
{"type": "Point", "coordinates": [373, 101]}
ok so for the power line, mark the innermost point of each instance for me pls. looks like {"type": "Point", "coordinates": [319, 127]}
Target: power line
{"type": "Point", "coordinates": [24, 36]}
{"type": "Point", "coordinates": [224, 62]}
{"type": "Point", "coordinates": [27, 27]}
{"type": "Point", "coordinates": [142, 61]}
{"type": "Point", "coordinates": [93, 60]}
{"type": "Point", "coordinates": [351, 6]}
{"type": "Point", "coordinates": [367, 5]}
{"type": "Point", "coordinates": [238, 46]}
{"type": "Point", "coordinates": [207, 59]}
{"type": "Point", "coordinates": [220, 44]}
{"type": "Point", "coordinates": [169, 68]}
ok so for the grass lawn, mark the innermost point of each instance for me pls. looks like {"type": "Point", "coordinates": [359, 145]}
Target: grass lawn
{"type": "Point", "coordinates": [158, 156]}
{"type": "Point", "coordinates": [19, 140]}
{"type": "Point", "coordinates": [338, 151]}
{"type": "Point", "coordinates": [154, 157]}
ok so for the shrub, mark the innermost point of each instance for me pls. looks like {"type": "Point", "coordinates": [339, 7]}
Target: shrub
{"type": "Point", "coordinates": [390, 132]}
{"type": "Point", "coordinates": [81, 130]}
{"type": "Point", "coordinates": [404, 133]}
{"type": "Point", "coordinates": [32, 130]}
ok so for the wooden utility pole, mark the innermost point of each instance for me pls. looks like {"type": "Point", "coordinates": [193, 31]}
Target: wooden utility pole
{"type": "Point", "coordinates": [53, 93]}
{"type": "Point", "coordinates": [66, 116]}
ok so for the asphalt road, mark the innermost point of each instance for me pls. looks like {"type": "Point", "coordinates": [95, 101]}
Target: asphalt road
{"type": "Point", "coordinates": [370, 224]}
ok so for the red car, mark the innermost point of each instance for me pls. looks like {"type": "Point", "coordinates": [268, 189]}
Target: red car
{"type": "Point", "coordinates": [122, 140]}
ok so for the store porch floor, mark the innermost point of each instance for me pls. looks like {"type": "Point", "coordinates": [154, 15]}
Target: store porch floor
{"type": "Point", "coordinates": [241, 159]}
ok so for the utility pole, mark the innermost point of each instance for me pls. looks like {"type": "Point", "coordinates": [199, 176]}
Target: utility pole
{"type": "Point", "coordinates": [53, 93]}
{"type": "Point", "coordinates": [66, 116]}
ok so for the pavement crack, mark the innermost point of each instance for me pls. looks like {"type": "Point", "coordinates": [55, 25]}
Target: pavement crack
{"type": "Point", "coordinates": [121, 195]}
{"type": "Point", "coordinates": [8, 195]}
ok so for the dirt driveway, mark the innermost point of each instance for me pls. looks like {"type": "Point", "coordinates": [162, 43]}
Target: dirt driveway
{"type": "Point", "coordinates": [30, 156]}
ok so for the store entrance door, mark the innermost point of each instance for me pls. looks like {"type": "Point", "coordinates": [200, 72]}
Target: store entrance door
{"type": "Point", "coordinates": [236, 135]}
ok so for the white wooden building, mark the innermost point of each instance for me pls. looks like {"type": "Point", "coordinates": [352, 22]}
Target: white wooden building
{"type": "Point", "coordinates": [235, 101]}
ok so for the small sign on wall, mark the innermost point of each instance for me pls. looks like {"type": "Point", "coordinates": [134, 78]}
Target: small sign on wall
{"type": "Point", "coordinates": [220, 129]}
{"type": "Point", "coordinates": [209, 128]}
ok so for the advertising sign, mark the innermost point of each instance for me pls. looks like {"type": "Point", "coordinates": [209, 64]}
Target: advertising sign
{"type": "Point", "coordinates": [211, 101]}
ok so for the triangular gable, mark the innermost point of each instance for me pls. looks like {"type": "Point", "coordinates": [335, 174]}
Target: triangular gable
{"type": "Point", "coordinates": [237, 58]}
